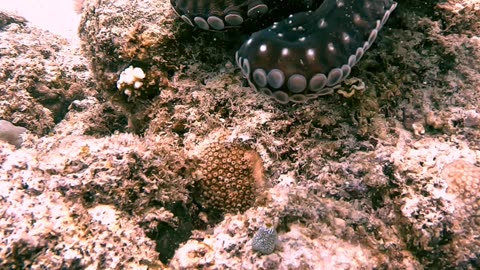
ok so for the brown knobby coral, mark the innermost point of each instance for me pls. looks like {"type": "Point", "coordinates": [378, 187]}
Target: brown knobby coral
{"type": "Point", "coordinates": [230, 176]}
{"type": "Point", "coordinates": [463, 179]}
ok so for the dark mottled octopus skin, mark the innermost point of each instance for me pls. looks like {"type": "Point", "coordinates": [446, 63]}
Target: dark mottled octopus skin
{"type": "Point", "coordinates": [302, 56]}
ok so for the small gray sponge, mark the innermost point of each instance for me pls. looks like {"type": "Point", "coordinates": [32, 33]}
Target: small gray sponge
{"type": "Point", "coordinates": [264, 240]}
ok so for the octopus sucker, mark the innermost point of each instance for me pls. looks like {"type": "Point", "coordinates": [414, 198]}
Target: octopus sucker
{"type": "Point", "coordinates": [303, 55]}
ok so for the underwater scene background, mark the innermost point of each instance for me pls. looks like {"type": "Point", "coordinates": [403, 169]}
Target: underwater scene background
{"type": "Point", "coordinates": [183, 134]}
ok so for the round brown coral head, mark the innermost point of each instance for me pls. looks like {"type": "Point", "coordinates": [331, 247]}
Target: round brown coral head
{"type": "Point", "coordinates": [231, 176]}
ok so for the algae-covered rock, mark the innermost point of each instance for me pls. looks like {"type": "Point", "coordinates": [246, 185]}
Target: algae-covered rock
{"type": "Point", "coordinates": [75, 201]}
{"type": "Point", "coordinates": [313, 233]}
{"type": "Point", "coordinates": [40, 75]}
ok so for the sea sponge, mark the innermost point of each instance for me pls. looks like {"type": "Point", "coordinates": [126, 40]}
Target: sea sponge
{"type": "Point", "coordinates": [265, 240]}
{"type": "Point", "coordinates": [230, 177]}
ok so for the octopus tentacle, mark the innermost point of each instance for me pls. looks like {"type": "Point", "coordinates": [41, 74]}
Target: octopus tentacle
{"type": "Point", "coordinates": [218, 14]}
{"type": "Point", "coordinates": [306, 54]}
{"type": "Point", "coordinates": [303, 56]}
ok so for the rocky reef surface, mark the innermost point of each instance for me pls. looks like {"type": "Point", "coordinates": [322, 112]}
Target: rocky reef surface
{"type": "Point", "coordinates": [110, 141]}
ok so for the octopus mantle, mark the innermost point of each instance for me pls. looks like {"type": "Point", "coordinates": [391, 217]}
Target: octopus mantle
{"type": "Point", "coordinates": [302, 56]}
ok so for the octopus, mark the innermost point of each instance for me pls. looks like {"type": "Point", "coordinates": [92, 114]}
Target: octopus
{"type": "Point", "coordinates": [303, 55]}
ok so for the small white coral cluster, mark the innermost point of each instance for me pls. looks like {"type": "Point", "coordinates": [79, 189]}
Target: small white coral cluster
{"type": "Point", "coordinates": [131, 79]}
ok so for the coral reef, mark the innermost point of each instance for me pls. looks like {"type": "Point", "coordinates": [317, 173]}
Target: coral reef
{"type": "Point", "coordinates": [463, 180]}
{"type": "Point", "coordinates": [379, 178]}
{"type": "Point", "coordinates": [140, 39]}
{"type": "Point", "coordinates": [46, 220]}
{"type": "Point", "coordinates": [436, 224]}
{"type": "Point", "coordinates": [76, 198]}
{"type": "Point", "coordinates": [420, 88]}
{"type": "Point", "coordinates": [8, 18]}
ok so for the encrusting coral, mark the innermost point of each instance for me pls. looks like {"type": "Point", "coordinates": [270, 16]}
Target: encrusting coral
{"type": "Point", "coordinates": [463, 180]}
{"type": "Point", "coordinates": [230, 176]}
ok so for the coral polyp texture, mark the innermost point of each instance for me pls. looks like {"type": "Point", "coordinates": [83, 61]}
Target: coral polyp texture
{"type": "Point", "coordinates": [230, 176]}
{"type": "Point", "coordinates": [463, 179]}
